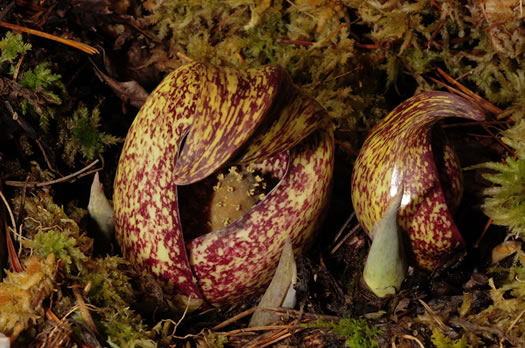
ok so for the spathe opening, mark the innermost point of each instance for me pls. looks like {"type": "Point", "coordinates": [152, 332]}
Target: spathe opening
{"type": "Point", "coordinates": [224, 197]}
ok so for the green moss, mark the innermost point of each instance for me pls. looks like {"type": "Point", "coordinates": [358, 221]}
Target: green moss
{"type": "Point", "coordinates": [50, 85]}
{"type": "Point", "coordinates": [82, 135]}
{"type": "Point", "coordinates": [442, 341]}
{"type": "Point", "coordinates": [505, 201]}
{"type": "Point", "coordinates": [108, 283]}
{"type": "Point", "coordinates": [311, 39]}
{"type": "Point", "coordinates": [51, 231]}
{"type": "Point", "coordinates": [77, 134]}
{"type": "Point", "coordinates": [41, 76]}
{"type": "Point", "coordinates": [125, 329]}
{"type": "Point", "coordinates": [481, 43]}
{"type": "Point", "coordinates": [356, 332]}
{"type": "Point", "coordinates": [62, 245]}
{"type": "Point", "coordinates": [110, 289]}
{"type": "Point", "coordinates": [22, 294]}
{"type": "Point", "coordinates": [11, 46]}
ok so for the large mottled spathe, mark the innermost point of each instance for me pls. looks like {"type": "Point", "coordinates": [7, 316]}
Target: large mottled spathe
{"type": "Point", "coordinates": [225, 116]}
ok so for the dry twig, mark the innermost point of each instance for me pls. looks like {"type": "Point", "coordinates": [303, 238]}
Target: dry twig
{"type": "Point", "coordinates": [70, 177]}
{"type": "Point", "coordinates": [13, 257]}
{"type": "Point", "coordinates": [294, 313]}
{"type": "Point", "coordinates": [434, 316]}
{"type": "Point", "coordinates": [78, 45]}
{"type": "Point", "coordinates": [234, 319]}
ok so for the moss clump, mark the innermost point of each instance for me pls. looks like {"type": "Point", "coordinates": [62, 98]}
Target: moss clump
{"type": "Point", "coordinates": [49, 230]}
{"type": "Point", "coordinates": [442, 341]}
{"type": "Point", "coordinates": [43, 96]}
{"type": "Point", "coordinates": [82, 135]}
{"type": "Point", "coordinates": [312, 40]}
{"type": "Point", "coordinates": [41, 76]}
{"type": "Point", "coordinates": [11, 46]}
{"type": "Point", "coordinates": [479, 41]}
{"type": "Point", "coordinates": [110, 288]}
{"type": "Point", "coordinates": [355, 332]}
{"type": "Point", "coordinates": [52, 232]}
{"type": "Point", "coordinates": [505, 201]}
{"type": "Point", "coordinates": [61, 244]}
{"type": "Point", "coordinates": [22, 295]}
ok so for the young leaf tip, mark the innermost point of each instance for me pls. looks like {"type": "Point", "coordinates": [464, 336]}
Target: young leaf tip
{"type": "Point", "coordinates": [100, 209]}
{"type": "Point", "coordinates": [386, 265]}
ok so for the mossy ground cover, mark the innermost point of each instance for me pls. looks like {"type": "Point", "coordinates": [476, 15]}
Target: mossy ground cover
{"type": "Point", "coordinates": [64, 114]}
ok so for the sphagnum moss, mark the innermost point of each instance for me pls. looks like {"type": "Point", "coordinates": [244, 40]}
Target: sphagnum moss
{"type": "Point", "coordinates": [62, 247]}
{"type": "Point", "coordinates": [505, 199]}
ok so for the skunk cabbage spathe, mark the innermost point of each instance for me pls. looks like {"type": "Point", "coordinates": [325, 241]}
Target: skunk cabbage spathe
{"type": "Point", "coordinates": [403, 151]}
{"type": "Point", "coordinates": [200, 120]}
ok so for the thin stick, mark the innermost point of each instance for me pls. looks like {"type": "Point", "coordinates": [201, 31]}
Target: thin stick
{"type": "Point", "coordinates": [514, 322]}
{"type": "Point", "coordinates": [341, 230]}
{"type": "Point", "coordinates": [184, 57]}
{"type": "Point", "coordinates": [269, 339]}
{"type": "Point", "coordinates": [18, 65]}
{"type": "Point", "coordinates": [255, 328]}
{"type": "Point", "coordinates": [485, 103]}
{"type": "Point", "coordinates": [234, 318]}
{"type": "Point", "coordinates": [295, 42]}
{"type": "Point", "coordinates": [84, 310]}
{"type": "Point", "coordinates": [313, 84]}
{"type": "Point", "coordinates": [89, 172]}
{"type": "Point", "coordinates": [434, 316]}
{"type": "Point", "coordinates": [13, 257]}
{"type": "Point", "coordinates": [410, 337]}
{"type": "Point", "coordinates": [183, 315]}
{"type": "Point", "coordinates": [294, 313]}
{"type": "Point", "coordinates": [51, 182]}
{"type": "Point", "coordinates": [78, 45]}
{"type": "Point", "coordinates": [433, 36]}
{"type": "Point", "coordinates": [345, 238]}
{"type": "Point", "coordinates": [505, 146]}
{"type": "Point", "coordinates": [452, 89]}
{"type": "Point", "coordinates": [11, 216]}
{"type": "Point", "coordinates": [52, 316]}
{"type": "Point", "coordinates": [282, 335]}
{"type": "Point", "coordinates": [45, 157]}
{"type": "Point", "coordinates": [337, 30]}
{"type": "Point", "coordinates": [240, 57]}
{"type": "Point", "coordinates": [485, 229]}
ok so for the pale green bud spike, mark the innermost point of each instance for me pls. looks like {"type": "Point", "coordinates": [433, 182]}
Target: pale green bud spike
{"type": "Point", "coordinates": [386, 265]}
{"type": "Point", "coordinates": [100, 209]}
